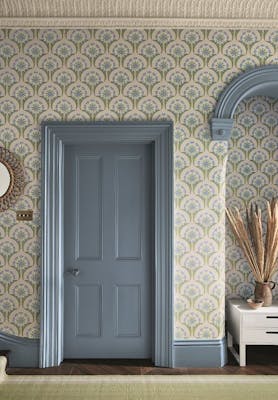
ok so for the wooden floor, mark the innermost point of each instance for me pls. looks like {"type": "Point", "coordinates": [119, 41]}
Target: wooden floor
{"type": "Point", "coordinates": [260, 360]}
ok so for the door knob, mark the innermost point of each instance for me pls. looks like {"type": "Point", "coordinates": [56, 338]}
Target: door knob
{"type": "Point", "coordinates": [75, 272]}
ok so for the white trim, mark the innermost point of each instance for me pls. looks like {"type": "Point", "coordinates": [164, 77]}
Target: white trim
{"type": "Point", "coordinates": [95, 23]}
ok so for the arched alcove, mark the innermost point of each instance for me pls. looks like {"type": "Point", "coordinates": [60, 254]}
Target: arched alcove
{"type": "Point", "coordinates": [260, 81]}
{"type": "Point", "coordinates": [257, 85]}
{"type": "Point", "coordinates": [251, 176]}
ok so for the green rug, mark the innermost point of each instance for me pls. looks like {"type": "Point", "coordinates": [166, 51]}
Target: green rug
{"type": "Point", "coordinates": [130, 387]}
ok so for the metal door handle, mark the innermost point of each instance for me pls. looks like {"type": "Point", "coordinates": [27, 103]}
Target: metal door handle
{"type": "Point", "coordinates": [75, 272]}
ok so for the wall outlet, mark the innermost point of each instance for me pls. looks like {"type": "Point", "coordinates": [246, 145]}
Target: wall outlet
{"type": "Point", "coordinates": [26, 215]}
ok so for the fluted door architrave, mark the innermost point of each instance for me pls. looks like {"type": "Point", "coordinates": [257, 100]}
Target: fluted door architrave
{"type": "Point", "coordinates": [55, 135]}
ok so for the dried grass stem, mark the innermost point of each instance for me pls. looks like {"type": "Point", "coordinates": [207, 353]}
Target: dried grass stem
{"type": "Point", "coordinates": [262, 257]}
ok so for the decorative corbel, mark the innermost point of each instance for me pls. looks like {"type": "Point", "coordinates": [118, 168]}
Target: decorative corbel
{"type": "Point", "coordinates": [221, 128]}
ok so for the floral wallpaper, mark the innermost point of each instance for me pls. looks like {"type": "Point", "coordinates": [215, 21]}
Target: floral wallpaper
{"type": "Point", "coordinates": [132, 74]}
{"type": "Point", "coordinates": [251, 175]}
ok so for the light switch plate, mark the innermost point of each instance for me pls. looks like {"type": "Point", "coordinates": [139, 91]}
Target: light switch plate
{"type": "Point", "coordinates": [25, 215]}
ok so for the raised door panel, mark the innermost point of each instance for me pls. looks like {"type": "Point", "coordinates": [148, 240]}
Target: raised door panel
{"type": "Point", "coordinates": [128, 311]}
{"type": "Point", "coordinates": [88, 310]}
{"type": "Point", "coordinates": [88, 207]}
{"type": "Point", "coordinates": [128, 203]}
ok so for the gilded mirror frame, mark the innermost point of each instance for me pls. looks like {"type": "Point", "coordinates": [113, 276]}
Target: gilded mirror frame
{"type": "Point", "coordinates": [17, 180]}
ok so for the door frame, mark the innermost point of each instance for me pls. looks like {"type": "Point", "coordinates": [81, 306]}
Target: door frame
{"type": "Point", "coordinates": [55, 135]}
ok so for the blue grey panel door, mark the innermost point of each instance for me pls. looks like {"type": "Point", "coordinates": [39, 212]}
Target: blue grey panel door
{"type": "Point", "coordinates": [108, 260]}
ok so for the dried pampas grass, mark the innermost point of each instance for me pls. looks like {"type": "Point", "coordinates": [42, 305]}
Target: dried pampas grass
{"type": "Point", "coordinates": [261, 256]}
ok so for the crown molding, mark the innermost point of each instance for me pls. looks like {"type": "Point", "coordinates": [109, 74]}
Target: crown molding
{"type": "Point", "coordinates": [93, 22]}
{"type": "Point", "coordinates": [234, 9]}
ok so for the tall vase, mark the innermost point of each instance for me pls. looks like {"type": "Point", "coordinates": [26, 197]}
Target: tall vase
{"type": "Point", "coordinates": [263, 292]}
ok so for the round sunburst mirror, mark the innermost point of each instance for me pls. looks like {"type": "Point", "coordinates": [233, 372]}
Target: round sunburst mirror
{"type": "Point", "coordinates": [11, 178]}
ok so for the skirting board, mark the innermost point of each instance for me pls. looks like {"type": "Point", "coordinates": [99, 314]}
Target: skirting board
{"type": "Point", "coordinates": [186, 353]}
{"type": "Point", "coordinates": [24, 352]}
{"type": "Point", "coordinates": [200, 353]}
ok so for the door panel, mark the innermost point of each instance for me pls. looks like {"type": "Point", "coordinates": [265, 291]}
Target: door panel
{"type": "Point", "coordinates": [128, 207]}
{"type": "Point", "coordinates": [84, 295]}
{"type": "Point", "coordinates": [108, 218]}
{"type": "Point", "coordinates": [88, 240]}
{"type": "Point", "coordinates": [131, 326]}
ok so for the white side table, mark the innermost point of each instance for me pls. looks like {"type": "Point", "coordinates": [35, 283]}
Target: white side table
{"type": "Point", "coordinates": [248, 326]}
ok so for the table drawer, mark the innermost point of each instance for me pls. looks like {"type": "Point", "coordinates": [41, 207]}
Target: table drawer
{"type": "Point", "coordinates": [260, 336]}
{"type": "Point", "coordinates": [260, 320]}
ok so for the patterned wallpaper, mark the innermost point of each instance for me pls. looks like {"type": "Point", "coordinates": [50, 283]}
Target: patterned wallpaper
{"type": "Point", "coordinates": [126, 75]}
{"type": "Point", "coordinates": [251, 175]}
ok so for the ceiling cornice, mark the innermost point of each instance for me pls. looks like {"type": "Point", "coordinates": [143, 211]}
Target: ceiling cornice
{"type": "Point", "coordinates": [140, 13]}
{"type": "Point", "coordinates": [182, 23]}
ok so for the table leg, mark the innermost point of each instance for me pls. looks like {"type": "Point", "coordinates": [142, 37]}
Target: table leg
{"type": "Point", "coordinates": [229, 340]}
{"type": "Point", "coordinates": [242, 355]}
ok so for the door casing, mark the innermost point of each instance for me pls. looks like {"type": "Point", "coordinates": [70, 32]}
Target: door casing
{"type": "Point", "coordinates": [55, 135]}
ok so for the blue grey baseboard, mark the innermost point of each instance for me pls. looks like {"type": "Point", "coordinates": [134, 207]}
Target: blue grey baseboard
{"type": "Point", "coordinates": [24, 352]}
{"type": "Point", "coordinates": [200, 353]}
